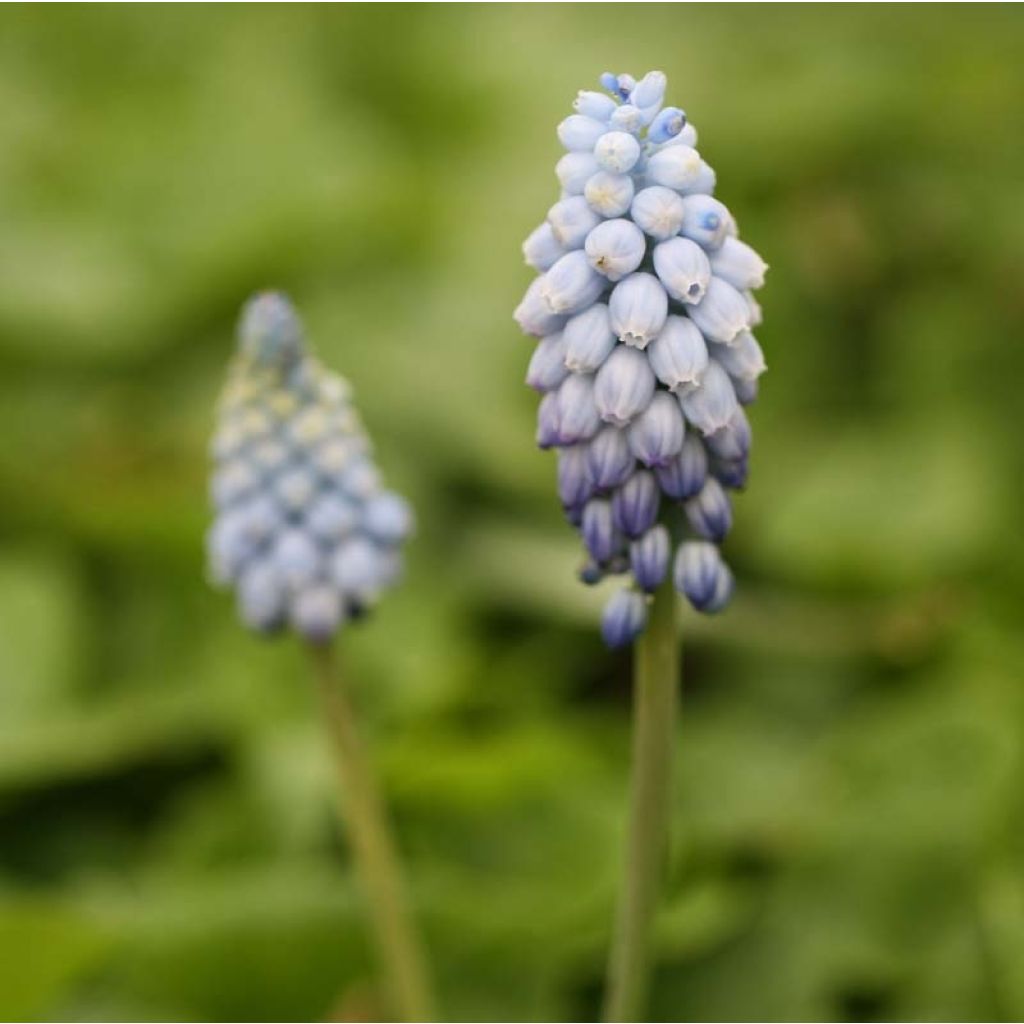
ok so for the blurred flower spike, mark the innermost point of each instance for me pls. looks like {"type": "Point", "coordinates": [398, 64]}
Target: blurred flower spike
{"type": "Point", "coordinates": [303, 530]}
{"type": "Point", "coordinates": [644, 309]}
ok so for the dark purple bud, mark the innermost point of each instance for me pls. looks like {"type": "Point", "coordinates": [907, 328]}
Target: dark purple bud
{"type": "Point", "coordinates": [684, 476]}
{"type": "Point", "coordinates": [635, 504]}
{"type": "Point", "coordinates": [609, 457]}
{"type": "Point", "coordinates": [548, 431]}
{"type": "Point", "coordinates": [574, 482]}
{"type": "Point", "coordinates": [599, 533]}
{"type": "Point", "coordinates": [624, 618]}
{"type": "Point", "coordinates": [649, 557]}
{"type": "Point", "coordinates": [710, 512]}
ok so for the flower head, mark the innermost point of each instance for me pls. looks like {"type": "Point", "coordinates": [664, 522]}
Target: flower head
{"type": "Point", "coordinates": [643, 311]}
{"type": "Point", "coordinates": [303, 531]}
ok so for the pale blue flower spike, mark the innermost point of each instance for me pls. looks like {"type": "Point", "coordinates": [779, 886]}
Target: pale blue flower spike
{"type": "Point", "coordinates": [643, 311]}
{"type": "Point", "coordinates": [303, 530]}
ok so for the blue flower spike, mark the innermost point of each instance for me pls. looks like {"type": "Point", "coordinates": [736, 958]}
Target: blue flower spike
{"type": "Point", "coordinates": [643, 314]}
{"type": "Point", "coordinates": [303, 530]}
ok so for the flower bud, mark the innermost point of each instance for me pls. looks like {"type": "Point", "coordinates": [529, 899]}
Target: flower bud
{"type": "Point", "coordinates": [723, 591]}
{"type": "Point", "coordinates": [270, 331]}
{"type": "Point", "coordinates": [356, 570]}
{"type": "Point", "coordinates": [698, 572]}
{"type": "Point", "coordinates": [588, 339]}
{"type": "Point", "coordinates": [624, 618]}
{"type": "Point", "coordinates": [617, 152]}
{"type": "Point", "coordinates": [658, 211]}
{"type": "Point", "coordinates": [650, 90]}
{"type": "Point", "coordinates": [231, 483]}
{"type": "Point", "coordinates": [316, 612]}
{"type": "Point", "coordinates": [731, 472]}
{"type": "Point", "coordinates": [732, 441]}
{"type": "Point", "coordinates": [667, 125]}
{"type": "Point", "coordinates": [754, 317]}
{"type": "Point", "coordinates": [599, 533]}
{"type": "Point", "coordinates": [332, 457]}
{"type": "Point", "coordinates": [610, 82]}
{"type": "Point", "coordinates": [579, 133]}
{"type": "Point", "coordinates": [594, 104]}
{"type": "Point", "coordinates": [360, 478]}
{"type": "Point", "coordinates": [533, 315]}
{"type": "Point", "coordinates": [624, 386]}
{"type": "Point", "coordinates": [649, 557]}
{"type": "Point", "coordinates": [705, 220]}
{"type": "Point", "coordinates": [683, 269]}
{"type": "Point", "coordinates": [615, 248]}
{"type": "Point", "coordinates": [684, 476]}
{"type": "Point", "coordinates": [574, 170]}
{"type": "Point", "coordinates": [547, 367]}
{"type": "Point", "coordinates": [705, 182]}
{"type": "Point", "coordinates": [746, 391]}
{"type": "Point", "coordinates": [722, 314]}
{"type": "Point", "coordinates": [548, 429]}
{"type": "Point", "coordinates": [635, 504]}
{"type": "Point", "coordinates": [673, 166]}
{"type": "Point", "coordinates": [571, 221]}
{"type": "Point", "coordinates": [609, 194]}
{"type": "Point", "coordinates": [227, 548]}
{"type": "Point", "coordinates": [575, 486]}
{"type": "Point", "coordinates": [738, 264]}
{"type": "Point", "coordinates": [295, 558]}
{"type": "Point", "coordinates": [387, 518]}
{"type": "Point", "coordinates": [710, 512]}
{"type": "Point", "coordinates": [540, 250]}
{"type": "Point", "coordinates": [609, 458]}
{"type": "Point", "coordinates": [260, 518]}
{"type": "Point", "coordinates": [331, 517]}
{"type": "Point", "coordinates": [261, 598]}
{"type": "Point", "coordinates": [295, 488]}
{"type": "Point", "coordinates": [656, 434]}
{"type": "Point", "coordinates": [712, 404]}
{"type": "Point", "coordinates": [638, 307]}
{"type": "Point", "coordinates": [578, 418]}
{"type": "Point", "coordinates": [571, 284]}
{"type": "Point", "coordinates": [742, 359]}
{"type": "Point", "coordinates": [627, 118]}
{"type": "Point", "coordinates": [678, 354]}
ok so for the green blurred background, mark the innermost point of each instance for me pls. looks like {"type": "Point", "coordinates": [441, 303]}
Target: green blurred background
{"type": "Point", "coordinates": [848, 833]}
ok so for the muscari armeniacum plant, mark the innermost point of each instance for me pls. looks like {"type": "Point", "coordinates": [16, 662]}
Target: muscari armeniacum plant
{"type": "Point", "coordinates": [309, 539]}
{"type": "Point", "coordinates": [644, 308]}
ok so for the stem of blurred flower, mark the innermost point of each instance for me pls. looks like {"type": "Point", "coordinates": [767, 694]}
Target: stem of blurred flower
{"type": "Point", "coordinates": [656, 682]}
{"type": "Point", "coordinates": [363, 814]}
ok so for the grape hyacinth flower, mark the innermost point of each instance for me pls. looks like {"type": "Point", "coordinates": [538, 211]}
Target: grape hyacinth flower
{"type": "Point", "coordinates": [304, 530]}
{"type": "Point", "coordinates": [643, 309]}
{"type": "Point", "coordinates": [644, 313]}
{"type": "Point", "coordinates": [308, 538]}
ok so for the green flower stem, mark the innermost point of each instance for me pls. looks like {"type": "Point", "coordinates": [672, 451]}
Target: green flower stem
{"type": "Point", "coordinates": [655, 707]}
{"type": "Point", "coordinates": [362, 811]}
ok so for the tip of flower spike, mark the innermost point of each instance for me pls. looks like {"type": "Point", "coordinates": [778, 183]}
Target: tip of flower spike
{"type": "Point", "coordinates": [269, 329]}
{"type": "Point", "coordinates": [618, 85]}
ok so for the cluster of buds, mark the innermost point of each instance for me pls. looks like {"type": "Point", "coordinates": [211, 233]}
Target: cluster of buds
{"type": "Point", "coordinates": [303, 529]}
{"type": "Point", "coordinates": [644, 309]}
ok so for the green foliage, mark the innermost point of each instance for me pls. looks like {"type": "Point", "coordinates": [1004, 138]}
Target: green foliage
{"type": "Point", "coordinates": [847, 812]}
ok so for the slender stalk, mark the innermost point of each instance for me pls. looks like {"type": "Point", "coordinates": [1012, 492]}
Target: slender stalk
{"type": "Point", "coordinates": [655, 707]}
{"type": "Point", "coordinates": [363, 812]}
